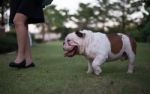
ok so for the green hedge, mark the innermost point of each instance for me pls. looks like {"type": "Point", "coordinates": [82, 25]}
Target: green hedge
{"type": "Point", "coordinates": [8, 42]}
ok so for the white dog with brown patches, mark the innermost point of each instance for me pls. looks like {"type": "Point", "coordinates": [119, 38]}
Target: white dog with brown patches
{"type": "Point", "coordinates": [99, 48]}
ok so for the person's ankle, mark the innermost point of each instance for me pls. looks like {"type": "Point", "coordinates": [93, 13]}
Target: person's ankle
{"type": "Point", "coordinates": [18, 60]}
{"type": "Point", "coordinates": [28, 62]}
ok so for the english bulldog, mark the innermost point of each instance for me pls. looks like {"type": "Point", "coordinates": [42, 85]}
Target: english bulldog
{"type": "Point", "coordinates": [99, 48]}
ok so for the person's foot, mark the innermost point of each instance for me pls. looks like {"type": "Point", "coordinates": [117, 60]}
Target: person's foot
{"type": "Point", "coordinates": [30, 65]}
{"type": "Point", "coordinates": [21, 64]}
{"type": "Point", "coordinates": [17, 65]}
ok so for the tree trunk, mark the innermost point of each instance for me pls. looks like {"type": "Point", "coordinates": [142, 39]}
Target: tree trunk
{"type": "Point", "coordinates": [2, 12]}
{"type": "Point", "coordinates": [2, 29]}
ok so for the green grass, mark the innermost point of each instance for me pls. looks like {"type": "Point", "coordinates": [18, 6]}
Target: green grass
{"type": "Point", "coordinates": [56, 74]}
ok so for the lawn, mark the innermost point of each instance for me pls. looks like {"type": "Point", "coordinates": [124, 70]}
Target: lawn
{"type": "Point", "coordinates": [56, 74]}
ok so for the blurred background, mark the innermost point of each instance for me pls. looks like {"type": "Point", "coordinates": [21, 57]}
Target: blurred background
{"type": "Point", "coordinates": [65, 16]}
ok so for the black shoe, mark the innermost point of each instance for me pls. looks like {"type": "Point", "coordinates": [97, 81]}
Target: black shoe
{"type": "Point", "coordinates": [18, 65]}
{"type": "Point", "coordinates": [31, 65]}
{"type": "Point", "coordinates": [21, 65]}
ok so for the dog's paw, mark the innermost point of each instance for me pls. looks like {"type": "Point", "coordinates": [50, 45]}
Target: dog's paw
{"type": "Point", "coordinates": [89, 71]}
{"type": "Point", "coordinates": [97, 72]}
{"type": "Point", "coordinates": [130, 71]}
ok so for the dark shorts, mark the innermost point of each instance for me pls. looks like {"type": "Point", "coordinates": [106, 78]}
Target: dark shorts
{"type": "Point", "coordinates": [31, 8]}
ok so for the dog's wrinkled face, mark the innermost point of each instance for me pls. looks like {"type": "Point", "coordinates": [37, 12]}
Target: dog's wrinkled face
{"type": "Point", "coordinates": [72, 43]}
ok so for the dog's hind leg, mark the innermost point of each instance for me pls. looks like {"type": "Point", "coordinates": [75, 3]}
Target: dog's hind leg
{"type": "Point", "coordinates": [131, 60]}
{"type": "Point", "coordinates": [130, 50]}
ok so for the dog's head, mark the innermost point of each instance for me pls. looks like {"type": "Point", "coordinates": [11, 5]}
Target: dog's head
{"type": "Point", "coordinates": [73, 43]}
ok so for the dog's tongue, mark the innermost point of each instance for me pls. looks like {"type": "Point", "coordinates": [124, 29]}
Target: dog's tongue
{"type": "Point", "coordinates": [69, 53]}
{"type": "Point", "coordinates": [65, 53]}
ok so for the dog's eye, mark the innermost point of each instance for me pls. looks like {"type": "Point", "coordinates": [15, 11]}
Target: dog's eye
{"type": "Point", "coordinates": [68, 40]}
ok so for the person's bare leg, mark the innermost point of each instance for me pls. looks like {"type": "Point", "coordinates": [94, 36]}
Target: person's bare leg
{"type": "Point", "coordinates": [28, 52]}
{"type": "Point", "coordinates": [22, 34]}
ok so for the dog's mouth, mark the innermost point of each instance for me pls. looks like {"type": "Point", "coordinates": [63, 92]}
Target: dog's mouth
{"type": "Point", "coordinates": [72, 52]}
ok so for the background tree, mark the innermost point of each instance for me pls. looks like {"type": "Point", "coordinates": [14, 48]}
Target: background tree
{"type": "Point", "coordinates": [84, 16]}
{"type": "Point", "coordinates": [102, 14]}
{"type": "Point", "coordinates": [125, 10]}
{"type": "Point", "coordinates": [54, 20]}
{"type": "Point", "coordinates": [145, 25]}
{"type": "Point", "coordinates": [4, 5]}
{"type": "Point", "coordinates": [99, 16]}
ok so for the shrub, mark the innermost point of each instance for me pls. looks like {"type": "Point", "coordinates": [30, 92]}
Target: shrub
{"type": "Point", "coordinates": [8, 42]}
{"type": "Point", "coordinates": [145, 33]}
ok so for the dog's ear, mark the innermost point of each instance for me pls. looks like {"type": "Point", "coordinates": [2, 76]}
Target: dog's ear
{"type": "Point", "coordinates": [79, 34]}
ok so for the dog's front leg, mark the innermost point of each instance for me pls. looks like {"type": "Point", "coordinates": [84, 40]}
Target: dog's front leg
{"type": "Point", "coordinates": [99, 60]}
{"type": "Point", "coordinates": [90, 69]}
